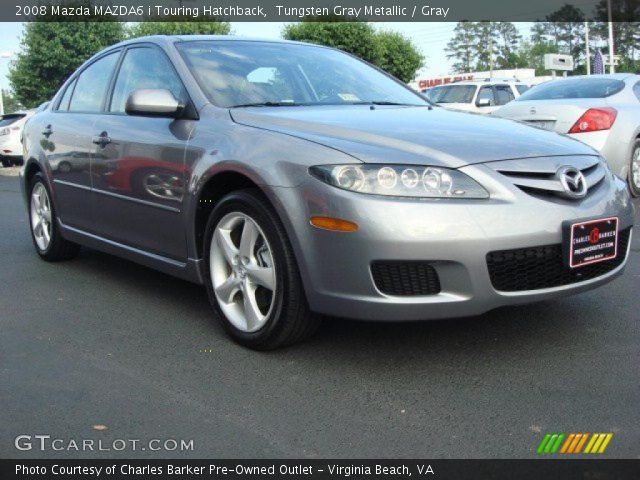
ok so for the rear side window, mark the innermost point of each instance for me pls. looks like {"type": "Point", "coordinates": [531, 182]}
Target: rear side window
{"type": "Point", "coordinates": [574, 88]}
{"type": "Point", "coordinates": [636, 90]}
{"type": "Point", "coordinates": [145, 68]}
{"type": "Point", "coordinates": [522, 88]}
{"type": "Point", "coordinates": [64, 103]}
{"type": "Point", "coordinates": [92, 84]}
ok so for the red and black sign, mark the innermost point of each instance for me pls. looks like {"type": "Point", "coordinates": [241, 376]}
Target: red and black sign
{"type": "Point", "coordinates": [591, 241]}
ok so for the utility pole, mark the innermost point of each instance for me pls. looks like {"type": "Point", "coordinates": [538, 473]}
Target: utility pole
{"type": "Point", "coordinates": [612, 69]}
{"type": "Point", "coordinates": [490, 52]}
{"type": "Point", "coordinates": [586, 41]}
{"type": "Point", "coordinates": [3, 55]}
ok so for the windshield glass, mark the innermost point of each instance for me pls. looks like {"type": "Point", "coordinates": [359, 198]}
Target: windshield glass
{"type": "Point", "coordinates": [574, 88]}
{"type": "Point", "coordinates": [7, 120]}
{"type": "Point", "coordinates": [246, 73]}
{"type": "Point", "coordinates": [452, 94]}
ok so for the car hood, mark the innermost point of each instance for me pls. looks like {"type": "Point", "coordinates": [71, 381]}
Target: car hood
{"type": "Point", "coordinates": [412, 135]}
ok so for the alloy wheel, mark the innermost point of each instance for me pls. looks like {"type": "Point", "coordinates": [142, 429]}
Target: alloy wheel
{"type": "Point", "coordinates": [635, 168]}
{"type": "Point", "coordinates": [242, 271]}
{"type": "Point", "coordinates": [41, 216]}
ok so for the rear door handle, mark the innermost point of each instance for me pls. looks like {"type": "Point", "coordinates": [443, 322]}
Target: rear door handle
{"type": "Point", "coordinates": [47, 132]}
{"type": "Point", "coordinates": [102, 140]}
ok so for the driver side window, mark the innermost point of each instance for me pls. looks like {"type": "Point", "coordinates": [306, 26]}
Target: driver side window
{"type": "Point", "coordinates": [145, 68]}
{"type": "Point", "coordinates": [486, 93]}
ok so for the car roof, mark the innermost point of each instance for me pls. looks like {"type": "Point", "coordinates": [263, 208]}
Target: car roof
{"type": "Point", "coordinates": [481, 82]}
{"type": "Point", "coordinates": [166, 39]}
{"type": "Point", "coordinates": [616, 76]}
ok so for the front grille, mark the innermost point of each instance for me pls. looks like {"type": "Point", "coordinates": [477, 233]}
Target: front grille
{"type": "Point", "coordinates": [543, 267]}
{"type": "Point", "coordinates": [539, 176]}
{"type": "Point", "coordinates": [405, 278]}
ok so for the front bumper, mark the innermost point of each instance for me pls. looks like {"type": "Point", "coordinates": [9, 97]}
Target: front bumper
{"type": "Point", "coordinates": [453, 235]}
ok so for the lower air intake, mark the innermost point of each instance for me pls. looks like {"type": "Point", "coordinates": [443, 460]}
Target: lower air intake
{"type": "Point", "coordinates": [535, 268]}
{"type": "Point", "coordinates": [405, 278]}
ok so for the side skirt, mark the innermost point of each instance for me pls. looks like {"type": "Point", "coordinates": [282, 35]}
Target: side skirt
{"type": "Point", "coordinates": [189, 270]}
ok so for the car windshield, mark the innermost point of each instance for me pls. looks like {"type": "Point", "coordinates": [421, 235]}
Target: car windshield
{"type": "Point", "coordinates": [245, 73]}
{"type": "Point", "coordinates": [452, 94]}
{"type": "Point", "coordinates": [574, 88]}
{"type": "Point", "coordinates": [8, 119]}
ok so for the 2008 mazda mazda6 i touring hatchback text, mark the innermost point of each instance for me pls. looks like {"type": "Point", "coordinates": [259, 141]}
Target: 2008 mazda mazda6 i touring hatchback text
{"type": "Point", "coordinates": [290, 179]}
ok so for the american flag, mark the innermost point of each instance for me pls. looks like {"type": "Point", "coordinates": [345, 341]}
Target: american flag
{"type": "Point", "coordinates": [598, 64]}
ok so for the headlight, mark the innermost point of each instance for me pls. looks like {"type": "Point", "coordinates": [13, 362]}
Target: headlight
{"type": "Point", "coordinates": [400, 180]}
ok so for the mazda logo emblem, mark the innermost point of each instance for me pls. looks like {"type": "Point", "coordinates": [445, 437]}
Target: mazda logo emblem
{"type": "Point", "coordinates": [573, 182]}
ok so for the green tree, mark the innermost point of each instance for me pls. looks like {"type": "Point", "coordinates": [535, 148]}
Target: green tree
{"type": "Point", "coordinates": [51, 51]}
{"type": "Point", "coordinates": [486, 45]}
{"type": "Point", "coordinates": [626, 31]}
{"type": "Point", "coordinates": [508, 43]}
{"type": "Point", "coordinates": [178, 28]}
{"type": "Point", "coordinates": [398, 55]}
{"type": "Point", "coordinates": [10, 103]}
{"type": "Point", "coordinates": [567, 25]}
{"type": "Point", "coordinates": [357, 38]}
{"type": "Point", "coordinates": [462, 47]}
{"type": "Point", "coordinates": [390, 51]}
{"type": "Point", "coordinates": [531, 55]}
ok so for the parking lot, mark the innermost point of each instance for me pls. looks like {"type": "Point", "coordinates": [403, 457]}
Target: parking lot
{"type": "Point", "coordinates": [100, 348]}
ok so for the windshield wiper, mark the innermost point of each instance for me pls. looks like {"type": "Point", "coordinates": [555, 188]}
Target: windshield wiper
{"type": "Point", "coordinates": [268, 104]}
{"type": "Point", "coordinates": [384, 102]}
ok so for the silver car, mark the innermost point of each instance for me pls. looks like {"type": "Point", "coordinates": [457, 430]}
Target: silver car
{"type": "Point", "coordinates": [294, 180]}
{"type": "Point", "coordinates": [602, 111]}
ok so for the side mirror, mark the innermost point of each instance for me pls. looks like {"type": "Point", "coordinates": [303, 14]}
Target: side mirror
{"type": "Point", "coordinates": [483, 102]}
{"type": "Point", "coordinates": [153, 102]}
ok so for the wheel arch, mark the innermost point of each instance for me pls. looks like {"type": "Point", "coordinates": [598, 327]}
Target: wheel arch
{"type": "Point", "coordinates": [214, 189]}
{"type": "Point", "coordinates": [31, 167]}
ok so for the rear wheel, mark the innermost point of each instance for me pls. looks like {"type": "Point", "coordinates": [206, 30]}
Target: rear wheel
{"type": "Point", "coordinates": [251, 274]}
{"type": "Point", "coordinates": [634, 170]}
{"type": "Point", "coordinates": [49, 243]}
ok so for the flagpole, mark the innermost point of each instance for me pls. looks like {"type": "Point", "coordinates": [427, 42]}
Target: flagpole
{"type": "Point", "coordinates": [611, 67]}
{"type": "Point", "coordinates": [586, 41]}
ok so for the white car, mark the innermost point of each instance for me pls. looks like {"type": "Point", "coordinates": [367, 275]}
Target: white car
{"type": "Point", "coordinates": [602, 111]}
{"type": "Point", "coordinates": [11, 126]}
{"type": "Point", "coordinates": [476, 96]}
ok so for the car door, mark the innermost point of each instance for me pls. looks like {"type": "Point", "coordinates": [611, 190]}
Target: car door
{"type": "Point", "coordinates": [138, 165]}
{"type": "Point", "coordinates": [66, 138]}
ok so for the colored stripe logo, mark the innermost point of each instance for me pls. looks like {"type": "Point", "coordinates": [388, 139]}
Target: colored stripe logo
{"type": "Point", "coordinates": [573, 443]}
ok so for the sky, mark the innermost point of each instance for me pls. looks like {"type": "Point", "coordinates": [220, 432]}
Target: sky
{"type": "Point", "coordinates": [430, 37]}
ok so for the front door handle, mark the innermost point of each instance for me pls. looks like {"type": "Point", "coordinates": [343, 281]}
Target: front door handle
{"type": "Point", "coordinates": [47, 132]}
{"type": "Point", "coordinates": [102, 140]}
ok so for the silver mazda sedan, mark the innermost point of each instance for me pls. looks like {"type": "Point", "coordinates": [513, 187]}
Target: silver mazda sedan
{"type": "Point", "coordinates": [294, 180]}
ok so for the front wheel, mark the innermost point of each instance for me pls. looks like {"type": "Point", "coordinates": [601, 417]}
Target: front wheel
{"type": "Point", "coordinates": [6, 162]}
{"type": "Point", "coordinates": [634, 170]}
{"type": "Point", "coordinates": [251, 274]}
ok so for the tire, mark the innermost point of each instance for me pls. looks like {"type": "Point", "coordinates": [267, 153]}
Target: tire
{"type": "Point", "coordinates": [634, 169]}
{"type": "Point", "coordinates": [56, 248]}
{"type": "Point", "coordinates": [6, 163]}
{"type": "Point", "coordinates": [257, 318]}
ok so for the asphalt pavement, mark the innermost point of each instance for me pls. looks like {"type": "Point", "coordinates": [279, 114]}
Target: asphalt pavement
{"type": "Point", "coordinates": [102, 349]}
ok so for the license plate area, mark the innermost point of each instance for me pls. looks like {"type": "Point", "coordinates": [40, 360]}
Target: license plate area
{"type": "Point", "coordinates": [544, 124]}
{"type": "Point", "coordinates": [590, 241]}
